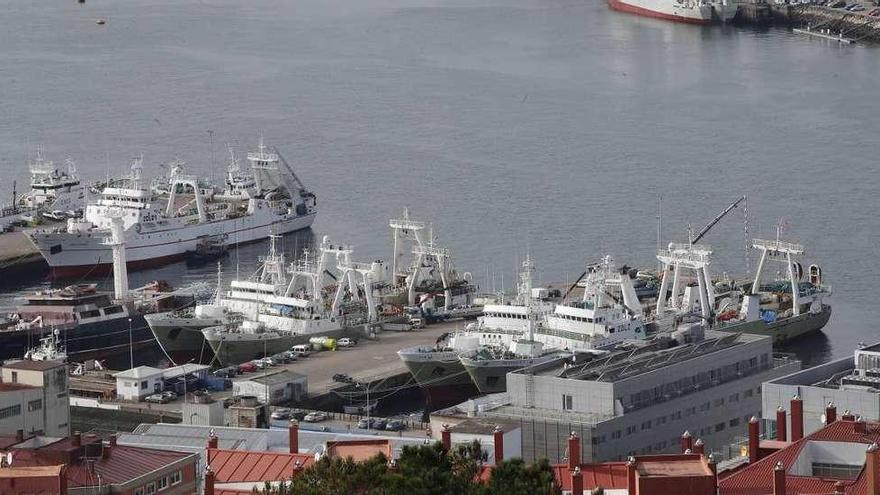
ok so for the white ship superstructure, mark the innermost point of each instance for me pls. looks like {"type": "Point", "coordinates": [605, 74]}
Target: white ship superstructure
{"type": "Point", "coordinates": [600, 318]}
{"type": "Point", "coordinates": [161, 227]}
{"type": "Point", "coordinates": [51, 189]}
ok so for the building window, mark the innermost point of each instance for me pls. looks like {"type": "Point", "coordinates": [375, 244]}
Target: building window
{"type": "Point", "coordinates": [144, 385]}
{"type": "Point", "coordinates": [719, 427]}
{"type": "Point", "coordinates": [747, 393]}
{"type": "Point", "coordinates": [566, 402]}
{"type": "Point", "coordinates": [615, 435]}
{"type": "Point", "coordinates": [150, 489]}
{"type": "Point", "coordinates": [704, 407]}
{"type": "Point", "coordinates": [734, 398]}
{"type": "Point", "coordinates": [61, 395]}
{"type": "Point", "coordinates": [719, 402]}
{"type": "Point", "coordinates": [8, 412]}
{"type": "Point", "coordinates": [734, 422]}
{"type": "Point", "coordinates": [836, 471]}
{"type": "Point", "coordinates": [163, 483]}
{"type": "Point", "coordinates": [175, 477]}
{"type": "Point", "coordinates": [35, 405]}
{"type": "Point", "coordinates": [14, 377]}
{"type": "Point", "coordinates": [646, 425]}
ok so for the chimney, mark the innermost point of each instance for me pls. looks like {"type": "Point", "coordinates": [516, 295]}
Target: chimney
{"type": "Point", "coordinates": [754, 433]}
{"type": "Point", "coordinates": [392, 465]}
{"type": "Point", "coordinates": [797, 418]}
{"type": "Point", "coordinates": [113, 440]}
{"type": "Point", "coordinates": [779, 479]}
{"type": "Point", "coordinates": [577, 481]}
{"type": "Point", "coordinates": [839, 488]}
{"type": "Point", "coordinates": [19, 436]}
{"type": "Point", "coordinates": [713, 466]}
{"type": "Point", "coordinates": [76, 439]}
{"type": "Point", "coordinates": [297, 467]}
{"type": "Point", "coordinates": [446, 438]}
{"type": "Point", "coordinates": [860, 426]}
{"type": "Point", "coordinates": [872, 469]}
{"type": "Point", "coordinates": [213, 441]}
{"type": "Point", "coordinates": [498, 439]}
{"type": "Point", "coordinates": [293, 436]}
{"type": "Point", "coordinates": [631, 475]}
{"type": "Point", "coordinates": [574, 452]}
{"type": "Point", "coordinates": [780, 424]}
{"type": "Point", "coordinates": [105, 451]}
{"type": "Point", "coordinates": [686, 442]}
{"type": "Point", "coordinates": [848, 416]}
{"type": "Point", "coordinates": [209, 481]}
{"type": "Point", "coordinates": [699, 447]}
{"type": "Point", "coordinates": [830, 413]}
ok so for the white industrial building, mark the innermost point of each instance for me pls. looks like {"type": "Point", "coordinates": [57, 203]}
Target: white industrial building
{"type": "Point", "coordinates": [34, 399]}
{"type": "Point", "coordinates": [139, 382]}
{"type": "Point", "coordinates": [278, 387]}
{"type": "Point", "coordinates": [850, 384]}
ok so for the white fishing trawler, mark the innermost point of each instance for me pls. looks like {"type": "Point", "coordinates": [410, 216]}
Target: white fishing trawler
{"type": "Point", "coordinates": [51, 189]}
{"type": "Point", "coordinates": [161, 226]}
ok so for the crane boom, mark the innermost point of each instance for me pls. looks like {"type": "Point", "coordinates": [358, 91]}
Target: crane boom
{"type": "Point", "coordinates": [717, 219]}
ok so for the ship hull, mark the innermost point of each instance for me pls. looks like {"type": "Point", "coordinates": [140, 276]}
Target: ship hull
{"type": "Point", "coordinates": [668, 10]}
{"type": "Point", "coordinates": [784, 330]}
{"type": "Point", "coordinates": [490, 376]}
{"type": "Point", "coordinates": [443, 382]}
{"type": "Point", "coordinates": [181, 339]}
{"type": "Point", "coordinates": [74, 255]}
{"type": "Point", "coordinates": [232, 349]}
{"type": "Point", "coordinates": [86, 341]}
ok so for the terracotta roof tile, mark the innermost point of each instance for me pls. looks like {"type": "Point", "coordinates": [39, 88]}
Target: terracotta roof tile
{"type": "Point", "coordinates": [232, 466]}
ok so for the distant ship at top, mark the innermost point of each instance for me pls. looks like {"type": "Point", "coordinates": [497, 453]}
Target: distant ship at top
{"type": "Point", "coordinates": [689, 11]}
{"type": "Point", "coordinates": [175, 214]}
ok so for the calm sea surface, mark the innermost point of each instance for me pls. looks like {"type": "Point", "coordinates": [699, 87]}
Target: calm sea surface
{"type": "Point", "coordinates": [544, 126]}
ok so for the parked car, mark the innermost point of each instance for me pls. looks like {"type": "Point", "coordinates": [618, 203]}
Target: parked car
{"type": "Point", "coordinates": [378, 424]}
{"type": "Point", "coordinates": [228, 372]}
{"type": "Point", "coordinates": [280, 358]}
{"type": "Point", "coordinates": [346, 342]}
{"type": "Point", "coordinates": [297, 414]}
{"type": "Point", "coordinates": [857, 8]}
{"type": "Point", "coordinates": [315, 417]}
{"type": "Point", "coordinates": [248, 367]}
{"type": "Point", "coordinates": [363, 424]}
{"type": "Point", "coordinates": [302, 350]}
{"type": "Point", "coordinates": [55, 215]}
{"type": "Point", "coordinates": [281, 413]}
{"type": "Point", "coordinates": [170, 395]}
{"type": "Point", "coordinates": [395, 425]}
{"type": "Point", "coordinates": [159, 398]}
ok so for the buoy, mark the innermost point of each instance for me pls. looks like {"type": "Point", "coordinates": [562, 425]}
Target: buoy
{"type": "Point", "coordinates": [100, 22]}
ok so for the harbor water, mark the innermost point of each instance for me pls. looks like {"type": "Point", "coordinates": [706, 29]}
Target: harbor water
{"type": "Point", "coordinates": [515, 126]}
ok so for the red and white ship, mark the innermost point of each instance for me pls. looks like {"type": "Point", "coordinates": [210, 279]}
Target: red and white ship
{"type": "Point", "coordinates": [690, 11]}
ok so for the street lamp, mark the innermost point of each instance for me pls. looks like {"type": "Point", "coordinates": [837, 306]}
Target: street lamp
{"type": "Point", "coordinates": [367, 388]}
{"type": "Point", "coordinates": [130, 346]}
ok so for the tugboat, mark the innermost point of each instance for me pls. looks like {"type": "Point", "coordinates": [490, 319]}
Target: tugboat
{"type": "Point", "coordinates": [50, 349]}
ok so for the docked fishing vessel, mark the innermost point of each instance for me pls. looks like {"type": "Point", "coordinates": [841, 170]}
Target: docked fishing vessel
{"type": "Point", "coordinates": [50, 349]}
{"type": "Point", "coordinates": [89, 322]}
{"type": "Point", "coordinates": [439, 370]}
{"type": "Point", "coordinates": [608, 313]}
{"type": "Point", "coordinates": [303, 308]}
{"type": "Point", "coordinates": [688, 11]}
{"type": "Point", "coordinates": [161, 226]}
{"type": "Point", "coordinates": [51, 189]}
{"type": "Point", "coordinates": [783, 309]}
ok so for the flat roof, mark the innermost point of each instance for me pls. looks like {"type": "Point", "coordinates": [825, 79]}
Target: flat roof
{"type": "Point", "coordinates": [139, 372]}
{"type": "Point", "coordinates": [629, 362]}
{"type": "Point", "coordinates": [27, 364]}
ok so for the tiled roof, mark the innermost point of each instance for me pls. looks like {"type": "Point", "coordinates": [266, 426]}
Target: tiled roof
{"type": "Point", "coordinates": [359, 450]}
{"type": "Point", "coordinates": [757, 479]}
{"type": "Point", "coordinates": [609, 475]}
{"type": "Point", "coordinates": [232, 466]}
{"type": "Point", "coordinates": [123, 464]}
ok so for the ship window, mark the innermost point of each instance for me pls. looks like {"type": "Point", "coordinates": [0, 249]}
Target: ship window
{"type": "Point", "coordinates": [110, 310]}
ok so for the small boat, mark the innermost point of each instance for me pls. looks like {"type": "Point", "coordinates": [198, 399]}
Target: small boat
{"type": "Point", "coordinates": [100, 22]}
{"type": "Point", "coordinates": [208, 248]}
{"type": "Point", "coordinates": [50, 349]}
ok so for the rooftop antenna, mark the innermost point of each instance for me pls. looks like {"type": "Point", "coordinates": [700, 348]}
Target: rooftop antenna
{"type": "Point", "coordinates": [211, 138]}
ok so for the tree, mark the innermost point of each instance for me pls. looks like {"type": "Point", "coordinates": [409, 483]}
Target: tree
{"type": "Point", "coordinates": [420, 470]}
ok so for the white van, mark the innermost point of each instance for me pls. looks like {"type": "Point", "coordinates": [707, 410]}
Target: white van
{"type": "Point", "coordinates": [303, 350]}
